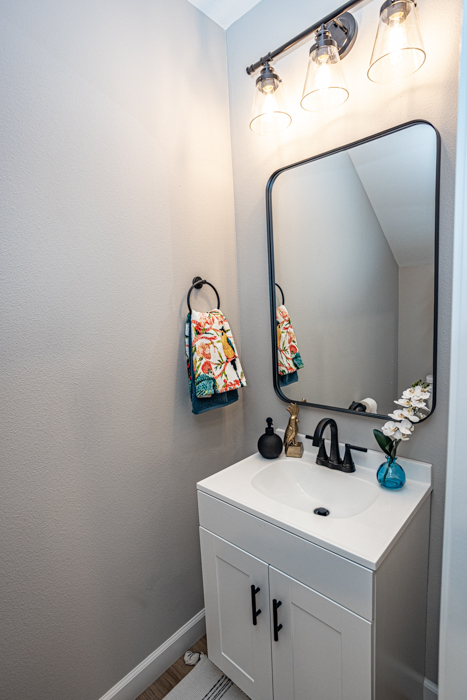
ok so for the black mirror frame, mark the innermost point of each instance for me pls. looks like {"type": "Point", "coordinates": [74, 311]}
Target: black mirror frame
{"type": "Point", "coordinates": [272, 281]}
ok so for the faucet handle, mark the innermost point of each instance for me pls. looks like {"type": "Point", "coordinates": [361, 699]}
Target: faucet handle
{"type": "Point", "coordinates": [322, 457]}
{"type": "Point", "coordinates": [348, 464]}
{"type": "Point", "coordinates": [322, 454]}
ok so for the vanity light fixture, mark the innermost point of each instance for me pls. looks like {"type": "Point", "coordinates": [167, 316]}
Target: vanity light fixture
{"type": "Point", "coordinates": [269, 113]}
{"type": "Point", "coordinates": [398, 51]}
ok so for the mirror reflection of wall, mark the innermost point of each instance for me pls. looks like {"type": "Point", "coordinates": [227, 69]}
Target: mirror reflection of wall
{"type": "Point", "coordinates": [354, 251]}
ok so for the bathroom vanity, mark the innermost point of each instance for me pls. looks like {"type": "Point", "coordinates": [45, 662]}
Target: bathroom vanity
{"type": "Point", "coordinates": [305, 607]}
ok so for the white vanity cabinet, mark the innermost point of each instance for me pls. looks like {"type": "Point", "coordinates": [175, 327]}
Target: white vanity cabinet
{"type": "Point", "coordinates": [318, 648]}
{"type": "Point", "coordinates": [329, 628]}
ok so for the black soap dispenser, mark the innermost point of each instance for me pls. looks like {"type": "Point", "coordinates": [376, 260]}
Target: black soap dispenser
{"type": "Point", "coordinates": [270, 444]}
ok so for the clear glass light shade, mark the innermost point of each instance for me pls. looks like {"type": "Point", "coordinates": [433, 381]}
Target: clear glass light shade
{"type": "Point", "coordinates": [398, 51]}
{"type": "Point", "coordinates": [269, 113]}
{"type": "Point", "coordinates": [325, 86]}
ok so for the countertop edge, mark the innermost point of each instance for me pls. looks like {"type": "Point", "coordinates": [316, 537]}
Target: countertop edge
{"type": "Point", "coordinates": [335, 549]}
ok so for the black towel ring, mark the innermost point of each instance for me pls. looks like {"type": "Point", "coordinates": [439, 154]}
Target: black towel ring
{"type": "Point", "coordinates": [198, 283]}
{"type": "Point", "coordinates": [282, 292]}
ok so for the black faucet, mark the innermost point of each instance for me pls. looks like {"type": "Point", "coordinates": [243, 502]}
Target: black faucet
{"type": "Point", "coordinates": [333, 461]}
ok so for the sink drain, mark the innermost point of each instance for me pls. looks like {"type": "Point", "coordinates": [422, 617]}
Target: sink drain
{"type": "Point", "coordinates": [321, 511]}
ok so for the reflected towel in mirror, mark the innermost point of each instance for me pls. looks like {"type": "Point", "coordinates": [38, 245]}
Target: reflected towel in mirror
{"type": "Point", "coordinates": [288, 355]}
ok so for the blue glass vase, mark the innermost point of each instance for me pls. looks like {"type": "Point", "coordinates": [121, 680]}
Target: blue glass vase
{"type": "Point", "coordinates": [391, 475]}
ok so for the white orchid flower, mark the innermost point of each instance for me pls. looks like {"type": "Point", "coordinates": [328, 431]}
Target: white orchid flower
{"type": "Point", "coordinates": [391, 429]}
{"type": "Point", "coordinates": [421, 395]}
{"type": "Point", "coordinates": [406, 413]}
{"type": "Point", "coordinates": [415, 392]}
{"type": "Point", "coordinates": [410, 414]}
{"type": "Point", "coordinates": [418, 403]}
{"type": "Point", "coordinates": [405, 429]}
{"type": "Point", "coordinates": [397, 415]}
{"type": "Point", "coordinates": [404, 402]}
{"type": "Point", "coordinates": [402, 425]}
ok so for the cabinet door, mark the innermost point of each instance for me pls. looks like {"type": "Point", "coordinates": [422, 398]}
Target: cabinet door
{"type": "Point", "coordinates": [236, 645]}
{"type": "Point", "coordinates": [323, 651]}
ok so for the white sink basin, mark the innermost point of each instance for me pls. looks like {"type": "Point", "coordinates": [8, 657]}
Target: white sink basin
{"type": "Point", "coordinates": [306, 486]}
{"type": "Point", "coordinates": [364, 520]}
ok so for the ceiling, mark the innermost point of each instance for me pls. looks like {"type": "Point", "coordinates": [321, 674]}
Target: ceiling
{"type": "Point", "coordinates": [224, 12]}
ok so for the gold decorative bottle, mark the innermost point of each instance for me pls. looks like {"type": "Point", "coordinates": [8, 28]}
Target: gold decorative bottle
{"type": "Point", "coordinates": [292, 448]}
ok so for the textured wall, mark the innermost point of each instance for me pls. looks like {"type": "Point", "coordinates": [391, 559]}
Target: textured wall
{"type": "Point", "coordinates": [430, 94]}
{"type": "Point", "coordinates": [116, 189]}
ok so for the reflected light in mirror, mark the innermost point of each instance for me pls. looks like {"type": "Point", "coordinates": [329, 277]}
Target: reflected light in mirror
{"type": "Point", "coordinates": [398, 51]}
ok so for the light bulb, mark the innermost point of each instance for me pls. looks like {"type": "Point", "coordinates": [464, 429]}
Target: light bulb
{"type": "Point", "coordinates": [398, 51]}
{"type": "Point", "coordinates": [324, 84]}
{"type": "Point", "coordinates": [323, 76]}
{"type": "Point", "coordinates": [268, 82]}
{"type": "Point", "coordinates": [269, 111]}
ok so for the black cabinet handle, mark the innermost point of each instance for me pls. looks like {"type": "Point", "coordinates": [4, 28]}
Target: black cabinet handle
{"type": "Point", "coordinates": [277, 628]}
{"type": "Point", "coordinates": [255, 612]}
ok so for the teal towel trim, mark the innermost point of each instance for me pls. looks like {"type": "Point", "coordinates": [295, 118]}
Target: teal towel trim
{"type": "Point", "coordinates": [286, 379]}
{"type": "Point", "coordinates": [297, 360]}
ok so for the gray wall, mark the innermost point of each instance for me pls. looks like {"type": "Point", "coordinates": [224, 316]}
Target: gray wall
{"type": "Point", "coordinates": [341, 284]}
{"type": "Point", "coordinates": [116, 189]}
{"type": "Point", "coordinates": [416, 285]}
{"type": "Point", "coordinates": [430, 94]}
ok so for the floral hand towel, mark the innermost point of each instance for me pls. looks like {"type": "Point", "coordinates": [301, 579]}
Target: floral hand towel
{"type": "Point", "coordinates": [288, 355]}
{"type": "Point", "coordinates": [216, 364]}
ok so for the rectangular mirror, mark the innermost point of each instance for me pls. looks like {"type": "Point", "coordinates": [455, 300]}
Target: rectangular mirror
{"type": "Point", "coordinates": [353, 260]}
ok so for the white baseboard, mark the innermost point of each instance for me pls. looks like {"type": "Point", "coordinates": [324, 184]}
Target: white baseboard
{"type": "Point", "coordinates": [164, 656]}
{"type": "Point", "coordinates": [430, 690]}
{"type": "Point", "coordinates": [159, 661]}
